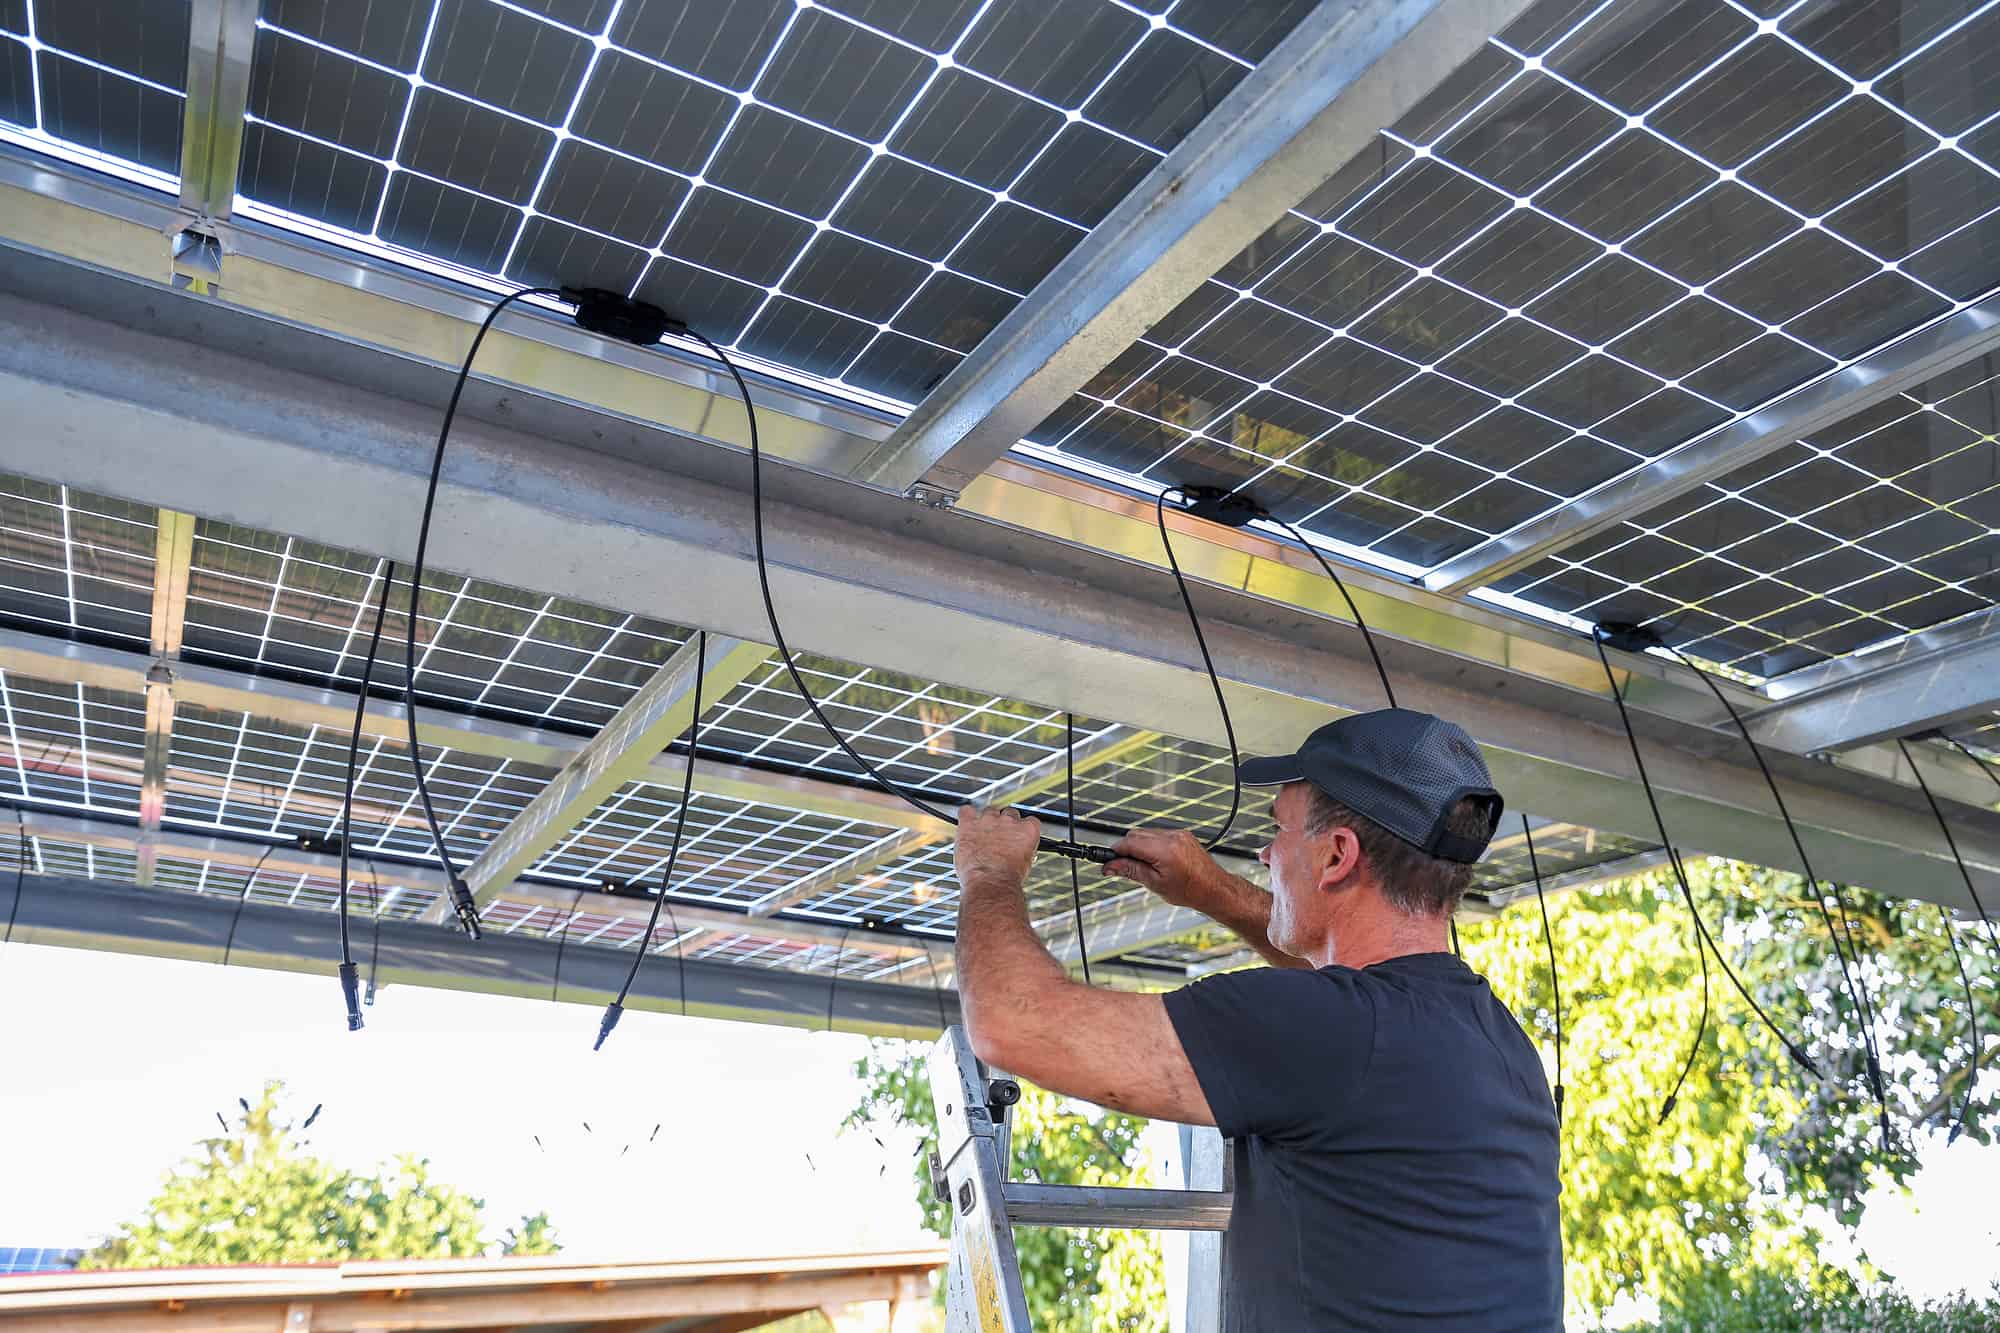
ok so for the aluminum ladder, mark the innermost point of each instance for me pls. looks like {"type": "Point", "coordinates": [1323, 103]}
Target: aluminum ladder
{"type": "Point", "coordinates": [969, 1171]}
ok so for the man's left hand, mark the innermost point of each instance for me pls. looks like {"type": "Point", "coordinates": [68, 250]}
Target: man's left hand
{"type": "Point", "coordinates": [995, 844]}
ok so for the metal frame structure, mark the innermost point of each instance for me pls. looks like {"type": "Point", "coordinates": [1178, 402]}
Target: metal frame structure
{"type": "Point", "coordinates": [1964, 336]}
{"type": "Point", "coordinates": [1345, 71]}
{"type": "Point", "coordinates": [976, 602]}
{"type": "Point", "coordinates": [584, 467]}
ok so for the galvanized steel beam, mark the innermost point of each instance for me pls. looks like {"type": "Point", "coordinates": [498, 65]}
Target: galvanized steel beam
{"type": "Point", "coordinates": [1882, 374]}
{"type": "Point", "coordinates": [1926, 681]}
{"type": "Point", "coordinates": [93, 914]}
{"type": "Point", "coordinates": [624, 751]}
{"type": "Point", "coordinates": [221, 34]}
{"type": "Point", "coordinates": [594, 507]}
{"type": "Point", "coordinates": [1346, 70]}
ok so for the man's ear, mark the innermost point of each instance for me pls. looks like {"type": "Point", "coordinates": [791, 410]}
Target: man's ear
{"type": "Point", "coordinates": [1343, 852]}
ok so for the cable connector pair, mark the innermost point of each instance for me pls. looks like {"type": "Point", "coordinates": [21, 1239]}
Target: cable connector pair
{"type": "Point", "coordinates": [615, 315]}
{"type": "Point", "coordinates": [463, 906]}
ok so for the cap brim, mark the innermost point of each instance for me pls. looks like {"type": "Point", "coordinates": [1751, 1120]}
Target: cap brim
{"type": "Point", "coordinates": [1271, 771]}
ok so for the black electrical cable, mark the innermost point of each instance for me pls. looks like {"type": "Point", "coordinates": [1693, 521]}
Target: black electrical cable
{"type": "Point", "coordinates": [1971, 1012]}
{"type": "Point", "coordinates": [1075, 882]}
{"type": "Point", "coordinates": [1856, 993]}
{"type": "Point", "coordinates": [350, 985]}
{"type": "Point", "coordinates": [241, 898]}
{"type": "Point", "coordinates": [1353, 610]}
{"type": "Point", "coordinates": [1978, 906]}
{"type": "Point", "coordinates": [1555, 978]}
{"type": "Point", "coordinates": [461, 896]}
{"type": "Point", "coordinates": [1680, 875]}
{"type": "Point", "coordinates": [1099, 855]}
{"type": "Point", "coordinates": [375, 945]}
{"type": "Point", "coordinates": [833, 982]}
{"type": "Point", "coordinates": [562, 938]}
{"type": "Point", "coordinates": [20, 873]}
{"type": "Point", "coordinates": [616, 1009]}
{"type": "Point", "coordinates": [1792, 1048]}
{"type": "Point", "coordinates": [1214, 681]}
{"type": "Point", "coordinates": [1971, 1026]}
{"type": "Point", "coordinates": [1456, 952]}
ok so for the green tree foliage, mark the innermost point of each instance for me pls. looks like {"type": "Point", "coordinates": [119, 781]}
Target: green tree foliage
{"type": "Point", "coordinates": [1713, 1198]}
{"type": "Point", "coordinates": [1076, 1281]}
{"type": "Point", "coordinates": [253, 1196]}
{"type": "Point", "coordinates": [1761, 1300]}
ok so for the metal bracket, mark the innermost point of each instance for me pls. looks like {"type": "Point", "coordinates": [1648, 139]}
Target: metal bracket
{"type": "Point", "coordinates": [197, 260]}
{"type": "Point", "coordinates": [932, 496]}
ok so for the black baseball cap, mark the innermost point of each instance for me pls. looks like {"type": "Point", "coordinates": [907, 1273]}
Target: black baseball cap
{"type": "Point", "coordinates": [1403, 769]}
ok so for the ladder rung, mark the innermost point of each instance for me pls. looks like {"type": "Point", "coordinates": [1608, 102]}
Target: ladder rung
{"type": "Point", "coordinates": [1108, 1206]}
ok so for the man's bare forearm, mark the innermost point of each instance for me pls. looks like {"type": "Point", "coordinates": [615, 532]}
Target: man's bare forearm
{"type": "Point", "coordinates": [1004, 970]}
{"type": "Point", "coordinates": [1236, 903]}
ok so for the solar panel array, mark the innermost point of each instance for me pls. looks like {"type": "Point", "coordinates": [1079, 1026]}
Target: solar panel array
{"type": "Point", "coordinates": [1878, 526]}
{"type": "Point", "coordinates": [279, 607]}
{"type": "Point", "coordinates": [1619, 226]}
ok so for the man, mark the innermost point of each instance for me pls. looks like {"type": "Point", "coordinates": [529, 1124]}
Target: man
{"type": "Point", "coordinates": [1395, 1140]}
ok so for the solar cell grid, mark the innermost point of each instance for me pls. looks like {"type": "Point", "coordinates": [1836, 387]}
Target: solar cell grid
{"type": "Point", "coordinates": [1620, 226]}
{"type": "Point", "coordinates": [1877, 527]}
{"type": "Point", "coordinates": [72, 746]}
{"type": "Point", "coordinates": [731, 852]}
{"type": "Point", "coordinates": [936, 738]}
{"type": "Point", "coordinates": [240, 773]}
{"type": "Point", "coordinates": [852, 189]}
{"type": "Point", "coordinates": [73, 561]}
{"type": "Point", "coordinates": [264, 601]}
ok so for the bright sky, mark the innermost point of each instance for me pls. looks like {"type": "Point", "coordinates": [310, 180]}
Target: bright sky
{"type": "Point", "coordinates": [115, 1065]}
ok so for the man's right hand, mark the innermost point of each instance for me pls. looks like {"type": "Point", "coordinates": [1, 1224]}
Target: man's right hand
{"type": "Point", "coordinates": [1173, 864]}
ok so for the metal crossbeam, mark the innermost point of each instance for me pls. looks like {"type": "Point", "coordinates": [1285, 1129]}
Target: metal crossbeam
{"type": "Point", "coordinates": [107, 836]}
{"type": "Point", "coordinates": [173, 555]}
{"type": "Point", "coordinates": [307, 707]}
{"type": "Point", "coordinates": [862, 576]}
{"type": "Point", "coordinates": [220, 36]}
{"type": "Point", "coordinates": [625, 750]}
{"type": "Point", "coordinates": [1926, 681]}
{"type": "Point", "coordinates": [1962, 337]}
{"type": "Point", "coordinates": [1320, 97]}
{"type": "Point", "coordinates": [1107, 747]}
{"type": "Point", "coordinates": [93, 914]}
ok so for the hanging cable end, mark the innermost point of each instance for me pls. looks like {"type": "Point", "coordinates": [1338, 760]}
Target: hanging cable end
{"type": "Point", "coordinates": [464, 907]}
{"type": "Point", "coordinates": [350, 989]}
{"type": "Point", "coordinates": [1956, 1130]}
{"type": "Point", "coordinates": [1667, 1107]}
{"type": "Point", "coordinates": [1805, 1063]}
{"type": "Point", "coordinates": [612, 1013]}
{"type": "Point", "coordinates": [1559, 1103]}
{"type": "Point", "coordinates": [368, 995]}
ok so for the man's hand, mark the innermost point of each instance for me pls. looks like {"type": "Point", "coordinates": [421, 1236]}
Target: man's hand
{"type": "Point", "coordinates": [997, 845]}
{"type": "Point", "coordinates": [1173, 864]}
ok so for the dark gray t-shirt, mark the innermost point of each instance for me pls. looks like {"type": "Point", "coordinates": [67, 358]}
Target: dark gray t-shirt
{"type": "Point", "coordinates": [1395, 1149]}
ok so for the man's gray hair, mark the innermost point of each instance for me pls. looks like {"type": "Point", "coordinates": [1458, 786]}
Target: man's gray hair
{"type": "Point", "coordinates": [1411, 879]}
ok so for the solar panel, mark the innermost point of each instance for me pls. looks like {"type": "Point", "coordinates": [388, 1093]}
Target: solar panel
{"type": "Point", "coordinates": [1876, 527]}
{"type": "Point", "coordinates": [1617, 227]}
{"type": "Point", "coordinates": [851, 189]}
{"type": "Point", "coordinates": [267, 602]}
{"type": "Point", "coordinates": [73, 562]}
